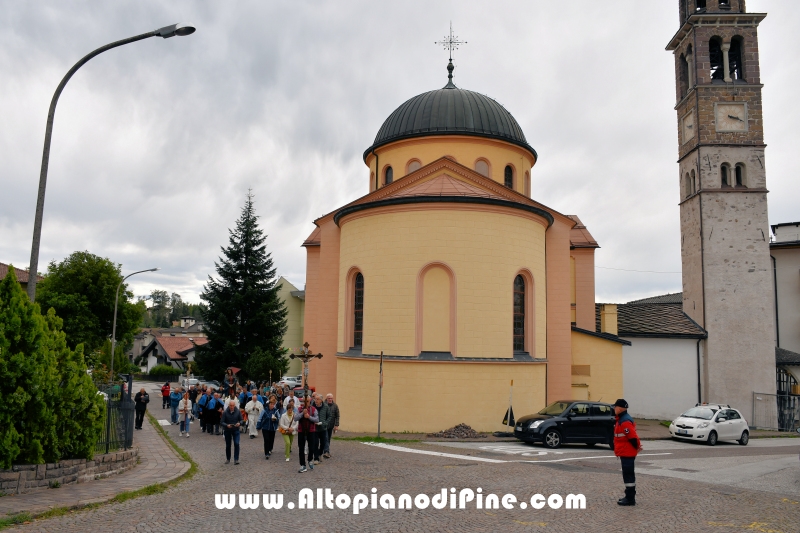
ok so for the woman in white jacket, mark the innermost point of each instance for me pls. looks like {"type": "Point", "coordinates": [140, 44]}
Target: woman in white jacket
{"type": "Point", "coordinates": [288, 427]}
{"type": "Point", "coordinates": [253, 410]}
{"type": "Point", "coordinates": [185, 413]}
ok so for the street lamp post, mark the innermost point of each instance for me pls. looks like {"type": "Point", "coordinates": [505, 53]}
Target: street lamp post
{"type": "Point", "coordinates": [165, 32]}
{"type": "Point", "coordinates": [305, 356]}
{"type": "Point", "coordinates": [113, 346]}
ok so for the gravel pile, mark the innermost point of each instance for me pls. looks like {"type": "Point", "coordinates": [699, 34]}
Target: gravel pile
{"type": "Point", "coordinates": [461, 431]}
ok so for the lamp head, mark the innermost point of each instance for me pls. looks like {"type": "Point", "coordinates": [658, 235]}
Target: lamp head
{"type": "Point", "coordinates": [172, 30]}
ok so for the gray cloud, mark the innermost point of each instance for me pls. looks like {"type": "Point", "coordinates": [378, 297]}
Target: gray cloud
{"type": "Point", "coordinates": [156, 143]}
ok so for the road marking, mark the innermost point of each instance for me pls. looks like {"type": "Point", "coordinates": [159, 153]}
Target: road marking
{"type": "Point", "coordinates": [487, 460]}
{"type": "Point", "coordinates": [438, 454]}
{"type": "Point", "coordinates": [164, 423]}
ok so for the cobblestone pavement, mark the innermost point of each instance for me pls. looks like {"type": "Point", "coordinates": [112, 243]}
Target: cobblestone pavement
{"type": "Point", "coordinates": [157, 463]}
{"type": "Point", "coordinates": [665, 504]}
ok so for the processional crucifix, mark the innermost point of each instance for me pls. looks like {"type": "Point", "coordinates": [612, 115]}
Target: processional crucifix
{"type": "Point", "coordinates": [305, 356]}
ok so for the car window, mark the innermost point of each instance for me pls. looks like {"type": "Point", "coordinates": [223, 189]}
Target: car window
{"type": "Point", "coordinates": [722, 414]}
{"type": "Point", "coordinates": [554, 409]}
{"type": "Point", "coordinates": [733, 415]}
{"type": "Point", "coordinates": [601, 410]}
{"type": "Point", "coordinates": [703, 413]}
{"type": "Point", "coordinates": [579, 409]}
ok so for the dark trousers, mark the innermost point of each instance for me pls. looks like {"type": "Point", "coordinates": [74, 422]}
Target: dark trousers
{"type": "Point", "coordinates": [164, 402]}
{"type": "Point", "coordinates": [629, 477]}
{"type": "Point", "coordinates": [328, 437]}
{"type": "Point", "coordinates": [302, 439]}
{"type": "Point", "coordinates": [139, 418]}
{"type": "Point", "coordinates": [320, 434]}
{"type": "Point", "coordinates": [269, 440]}
{"type": "Point", "coordinates": [232, 435]}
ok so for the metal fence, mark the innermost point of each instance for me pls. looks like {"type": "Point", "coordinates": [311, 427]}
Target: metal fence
{"type": "Point", "coordinates": [118, 421]}
{"type": "Point", "coordinates": [780, 412]}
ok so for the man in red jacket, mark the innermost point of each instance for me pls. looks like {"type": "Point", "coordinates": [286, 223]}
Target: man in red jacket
{"type": "Point", "coordinates": [626, 446]}
{"type": "Point", "coordinates": [165, 395]}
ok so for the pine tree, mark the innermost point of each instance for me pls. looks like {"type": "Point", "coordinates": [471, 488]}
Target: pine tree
{"type": "Point", "coordinates": [28, 379]}
{"type": "Point", "coordinates": [79, 410]}
{"type": "Point", "coordinates": [245, 316]}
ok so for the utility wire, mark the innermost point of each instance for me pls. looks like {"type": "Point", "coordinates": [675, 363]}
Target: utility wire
{"type": "Point", "coordinates": [646, 271]}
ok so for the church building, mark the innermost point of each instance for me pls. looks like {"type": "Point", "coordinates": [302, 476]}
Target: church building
{"type": "Point", "coordinates": [452, 270]}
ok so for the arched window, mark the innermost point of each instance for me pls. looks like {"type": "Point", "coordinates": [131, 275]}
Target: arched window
{"type": "Point", "coordinates": [724, 4]}
{"type": "Point", "coordinates": [684, 75]}
{"type": "Point", "coordinates": [358, 311]}
{"type": "Point", "coordinates": [740, 175]}
{"type": "Point", "coordinates": [735, 59]}
{"type": "Point", "coordinates": [700, 5]}
{"type": "Point", "coordinates": [413, 165]}
{"type": "Point", "coordinates": [482, 167]}
{"type": "Point", "coordinates": [388, 175]}
{"type": "Point", "coordinates": [687, 185]}
{"type": "Point", "coordinates": [508, 176]}
{"type": "Point", "coordinates": [694, 183]}
{"type": "Point", "coordinates": [725, 175]}
{"type": "Point", "coordinates": [715, 58]}
{"type": "Point", "coordinates": [519, 314]}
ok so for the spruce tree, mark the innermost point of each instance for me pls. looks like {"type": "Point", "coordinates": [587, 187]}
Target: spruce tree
{"type": "Point", "coordinates": [245, 317]}
{"type": "Point", "coordinates": [28, 379]}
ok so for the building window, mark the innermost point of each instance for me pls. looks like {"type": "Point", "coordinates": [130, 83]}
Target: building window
{"type": "Point", "coordinates": [509, 177]}
{"type": "Point", "coordinates": [715, 58]}
{"type": "Point", "coordinates": [358, 311]}
{"type": "Point", "coordinates": [694, 183]}
{"type": "Point", "coordinates": [388, 175]}
{"type": "Point", "coordinates": [700, 5]}
{"type": "Point", "coordinates": [740, 175]}
{"type": "Point", "coordinates": [684, 75]}
{"type": "Point", "coordinates": [735, 59]}
{"type": "Point", "coordinates": [482, 167]}
{"type": "Point", "coordinates": [725, 174]}
{"type": "Point", "coordinates": [687, 182]}
{"type": "Point", "coordinates": [413, 165]}
{"type": "Point", "coordinates": [519, 314]}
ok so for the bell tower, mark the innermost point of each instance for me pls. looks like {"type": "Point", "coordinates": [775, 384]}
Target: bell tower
{"type": "Point", "coordinates": [727, 284]}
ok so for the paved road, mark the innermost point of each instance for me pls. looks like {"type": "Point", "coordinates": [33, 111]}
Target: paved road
{"type": "Point", "coordinates": [666, 503]}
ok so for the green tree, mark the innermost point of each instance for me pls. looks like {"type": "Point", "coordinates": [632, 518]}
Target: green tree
{"type": "Point", "coordinates": [28, 378]}
{"type": "Point", "coordinates": [122, 364]}
{"type": "Point", "coordinates": [245, 316]}
{"type": "Point", "coordinates": [159, 311]}
{"type": "Point", "coordinates": [82, 289]}
{"type": "Point", "coordinates": [260, 363]}
{"type": "Point", "coordinates": [79, 410]}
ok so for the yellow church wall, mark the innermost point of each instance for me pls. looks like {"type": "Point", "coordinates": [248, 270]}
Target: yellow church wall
{"type": "Point", "coordinates": [465, 150]}
{"type": "Point", "coordinates": [293, 338]}
{"type": "Point", "coordinates": [436, 311]}
{"type": "Point", "coordinates": [604, 359]}
{"type": "Point", "coordinates": [429, 397]}
{"type": "Point", "coordinates": [485, 249]}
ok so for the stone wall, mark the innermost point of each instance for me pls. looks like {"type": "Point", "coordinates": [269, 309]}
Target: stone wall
{"type": "Point", "coordinates": [27, 478]}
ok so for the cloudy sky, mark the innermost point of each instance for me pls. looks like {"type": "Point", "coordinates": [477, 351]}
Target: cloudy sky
{"type": "Point", "coordinates": [156, 143]}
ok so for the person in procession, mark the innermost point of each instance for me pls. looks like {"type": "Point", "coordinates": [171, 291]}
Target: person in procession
{"type": "Point", "coordinates": [231, 421]}
{"type": "Point", "coordinates": [165, 395]}
{"type": "Point", "coordinates": [268, 422]}
{"type": "Point", "coordinates": [321, 431]}
{"type": "Point", "coordinates": [202, 412]}
{"type": "Point", "coordinates": [333, 424]}
{"type": "Point", "coordinates": [141, 399]}
{"type": "Point", "coordinates": [306, 433]}
{"type": "Point", "coordinates": [253, 408]}
{"type": "Point", "coordinates": [185, 414]}
{"type": "Point", "coordinates": [288, 427]}
{"type": "Point", "coordinates": [627, 446]}
{"type": "Point", "coordinates": [174, 399]}
{"type": "Point", "coordinates": [194, 392]}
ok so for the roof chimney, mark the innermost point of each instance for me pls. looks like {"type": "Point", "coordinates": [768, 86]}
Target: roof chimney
{"type": "Point", "coordinates": [608, 318]}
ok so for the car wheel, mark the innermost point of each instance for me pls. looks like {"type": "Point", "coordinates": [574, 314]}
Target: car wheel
{"type": "Point", "coordinates": [745, 438]}
{"type": "Point", "coordinates": [552, 439]}
{"type": "Point", "coordinates": [712, 439]}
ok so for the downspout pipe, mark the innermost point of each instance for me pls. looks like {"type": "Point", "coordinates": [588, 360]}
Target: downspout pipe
{"type": "Point", "coordinates": [775, 288]}
{"type": "Point", "coordinates": [699, 388]}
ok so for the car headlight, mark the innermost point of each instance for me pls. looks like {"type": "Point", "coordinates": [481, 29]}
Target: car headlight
{"type": "Point", "coordinates": [535, 424]}
{"type": "Point", "coordinates": [703, 425]}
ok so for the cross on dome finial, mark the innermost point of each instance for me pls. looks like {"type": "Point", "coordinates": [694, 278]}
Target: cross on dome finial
{"type": "Point", "coordinates": [450, 43]}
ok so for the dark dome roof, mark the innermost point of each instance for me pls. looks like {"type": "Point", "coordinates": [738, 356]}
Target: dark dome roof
{"type": "Point", "coordinates": [451, 111]}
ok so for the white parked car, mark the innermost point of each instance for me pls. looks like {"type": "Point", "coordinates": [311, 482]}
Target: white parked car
{"type": "Point", "coordinates": [711, 423]}
{"type": "Point", "coordinates": [291, 381]}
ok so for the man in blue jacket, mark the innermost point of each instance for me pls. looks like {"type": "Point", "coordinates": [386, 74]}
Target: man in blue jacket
{"type": "Point", "coordinates": [174, 399]}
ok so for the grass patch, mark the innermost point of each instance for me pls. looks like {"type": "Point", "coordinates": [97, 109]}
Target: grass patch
{"type": "Point", "coordinates": [376, 439]}
{"type": "Point", "coordinates": [665, 423]}
{"type": "Point", "coordinates": [149, 490]}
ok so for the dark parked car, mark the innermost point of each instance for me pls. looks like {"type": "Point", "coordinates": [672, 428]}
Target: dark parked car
{"type": "Point", "coordinates": [567, 421]}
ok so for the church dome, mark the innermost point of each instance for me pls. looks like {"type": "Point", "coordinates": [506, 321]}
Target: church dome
{"type": "Point", "coordinates": [451, 111]}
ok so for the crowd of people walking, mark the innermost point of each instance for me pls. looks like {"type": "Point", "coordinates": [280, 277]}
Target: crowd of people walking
{"type": "Point", "coordinates": [250, 408]}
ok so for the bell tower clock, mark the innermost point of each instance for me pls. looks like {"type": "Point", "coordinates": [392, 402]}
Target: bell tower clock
{"type": "Point", "coordinates": [727, 284]}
